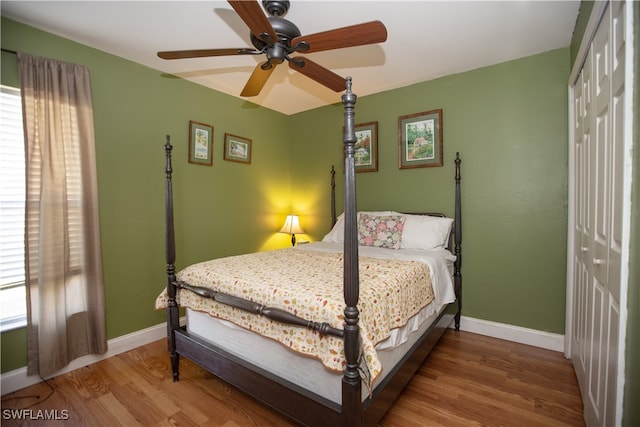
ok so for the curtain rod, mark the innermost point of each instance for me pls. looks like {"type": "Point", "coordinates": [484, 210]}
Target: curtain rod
{"type": "Point", "coordinates": [9, 51]}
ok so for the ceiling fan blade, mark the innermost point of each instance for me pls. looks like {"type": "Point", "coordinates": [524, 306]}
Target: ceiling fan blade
{"type": "Point", "coordinates": [252, 15]}
{"type": "Point", "coordinates": [257, 80]}
{"type": "Point", "coordinates": [200, 53]}
{"type": "Point", "coordinates": [354, 35]}
{"type": "Point", "coordinates": [318, 73]}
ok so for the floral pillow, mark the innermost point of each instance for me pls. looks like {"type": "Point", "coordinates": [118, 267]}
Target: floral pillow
{"type": "Point", "coordinates": [380, 231]}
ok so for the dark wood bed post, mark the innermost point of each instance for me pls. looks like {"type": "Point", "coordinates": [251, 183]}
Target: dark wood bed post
{"type": "Point", "coordinates": [457, 275]}
{"type": "Point", "coordinates": [334, 218]}
{"type": "Point", "coordinates": [351, 381]}
{"type": "Point", "coordinates": [173, 318]}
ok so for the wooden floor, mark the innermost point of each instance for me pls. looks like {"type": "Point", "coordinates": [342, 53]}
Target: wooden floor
{"type": "Point", "coordinates": [468, 380]}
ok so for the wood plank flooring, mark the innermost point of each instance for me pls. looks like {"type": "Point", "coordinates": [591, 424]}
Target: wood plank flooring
{"type": "Point", "coordinates": [469, 380]}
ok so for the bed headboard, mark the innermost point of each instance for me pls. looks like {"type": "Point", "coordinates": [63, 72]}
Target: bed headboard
{"type": "Point", "coordinates": [455, 238]}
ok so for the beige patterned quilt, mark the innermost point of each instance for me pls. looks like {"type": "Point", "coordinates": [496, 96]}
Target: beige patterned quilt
{"type": "Point", "coordinates": [309, 284]}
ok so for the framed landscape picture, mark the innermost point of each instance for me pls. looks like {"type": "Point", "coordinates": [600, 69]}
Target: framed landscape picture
{"type": "Point", "coordinates": [237, 149]}
{"type": "Point", "coordinates": [420, 140]}
{"type": "Point", "coordinates": [366, 147]}
{"type": "Point", "coordinates": [200, 143]}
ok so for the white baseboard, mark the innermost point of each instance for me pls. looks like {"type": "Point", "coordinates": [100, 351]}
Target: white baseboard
{"type": "Point", "coordinates": [517, 334]}
{"type": "Point", "coordinates": [18, 378]}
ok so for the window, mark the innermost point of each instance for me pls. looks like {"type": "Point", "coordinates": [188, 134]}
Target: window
{"type": "Point", "coordinates": [13, 301]}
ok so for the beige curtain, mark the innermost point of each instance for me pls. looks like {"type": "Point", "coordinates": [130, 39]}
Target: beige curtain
{"type": "Point", "coordinates": [65, 295]}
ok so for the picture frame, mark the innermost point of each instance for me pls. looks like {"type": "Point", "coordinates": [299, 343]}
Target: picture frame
{"type": "Point", "coordinates": [420, 140]}
{"type": "Point", "coordinates": [200, 143]}
{"type": "Point", "coordinates": [366, 147]}
{"type": "Point", "coordinates": [237, 148]}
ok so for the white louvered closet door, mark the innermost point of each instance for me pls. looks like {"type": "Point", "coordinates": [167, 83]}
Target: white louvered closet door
{"type": "Point", "coordinates": [598, 142]}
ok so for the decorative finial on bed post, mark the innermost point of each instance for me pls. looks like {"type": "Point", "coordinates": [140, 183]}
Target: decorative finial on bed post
{"type": "Point", "coordinates": [167, 152]}
{"type": "Point", "coordinates": [349, 100]}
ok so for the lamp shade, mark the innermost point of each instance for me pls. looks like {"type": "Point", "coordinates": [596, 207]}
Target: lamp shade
{"type": "Point", "coordinates": [292, 225]}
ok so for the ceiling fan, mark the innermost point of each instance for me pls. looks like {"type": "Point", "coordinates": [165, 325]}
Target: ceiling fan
{"type": "Point", "coordinates": [279, 38]}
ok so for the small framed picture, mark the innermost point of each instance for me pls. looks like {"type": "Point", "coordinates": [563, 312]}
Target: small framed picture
{"type": "Point", "coordinates": [366, 147]}
{"type": "Point", "coordinates": [237, 149]}
{"type": "Point", "coordinates": [200, 143]}
{"type": "Point", "coordinates": [420, 140]}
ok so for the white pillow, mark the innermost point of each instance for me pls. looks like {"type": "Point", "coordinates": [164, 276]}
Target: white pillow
{"type": "Point", "coordinates": [336, 235]}
{"type": "Point", "coordinates": [425, 232]}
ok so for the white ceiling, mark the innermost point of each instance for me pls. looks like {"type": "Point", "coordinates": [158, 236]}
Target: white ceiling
{"type": "Point", "coordinates": [426, 39]}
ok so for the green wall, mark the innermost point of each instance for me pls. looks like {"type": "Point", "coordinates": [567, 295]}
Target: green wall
{"type": "Point", "coordinates": [509, 123]}
{"type": "Point", "coordinates": [134, 108]}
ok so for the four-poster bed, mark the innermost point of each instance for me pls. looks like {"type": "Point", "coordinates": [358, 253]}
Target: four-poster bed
{"type": "Point", "coordinates": [353, 335]}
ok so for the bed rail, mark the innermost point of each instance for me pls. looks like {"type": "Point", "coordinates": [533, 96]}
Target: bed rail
{"type": "Point", "coordinates": [272, 313]}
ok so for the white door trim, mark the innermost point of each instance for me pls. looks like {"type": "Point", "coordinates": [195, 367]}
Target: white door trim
{"type": "Point", "coordinates": [599, 7]}
{"type": "Point", "coordinates": [629, 114]}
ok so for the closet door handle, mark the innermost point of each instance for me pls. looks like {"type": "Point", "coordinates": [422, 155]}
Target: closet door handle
{"type": "Point", "coordinates": [598, 261]}
{"type": "Point", "coordinates": [584, 249]}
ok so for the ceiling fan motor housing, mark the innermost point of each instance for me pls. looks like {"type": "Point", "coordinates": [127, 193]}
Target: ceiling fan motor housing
{"type": "Point", "coordinates": [286, 31]}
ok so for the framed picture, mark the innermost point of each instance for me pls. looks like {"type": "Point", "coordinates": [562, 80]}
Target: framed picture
{"type": "Point", "coordinates": [420, 140]}
{"type": "Point", "coordinates": [200, 143]}
{"type": "Point", "coordinates": [237, 149]}
{"type": "Point", "coordinates": [366, 154]}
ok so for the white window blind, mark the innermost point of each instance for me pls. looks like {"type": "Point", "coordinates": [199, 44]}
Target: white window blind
{"type": "Point", "coordinates": [12, 210]}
